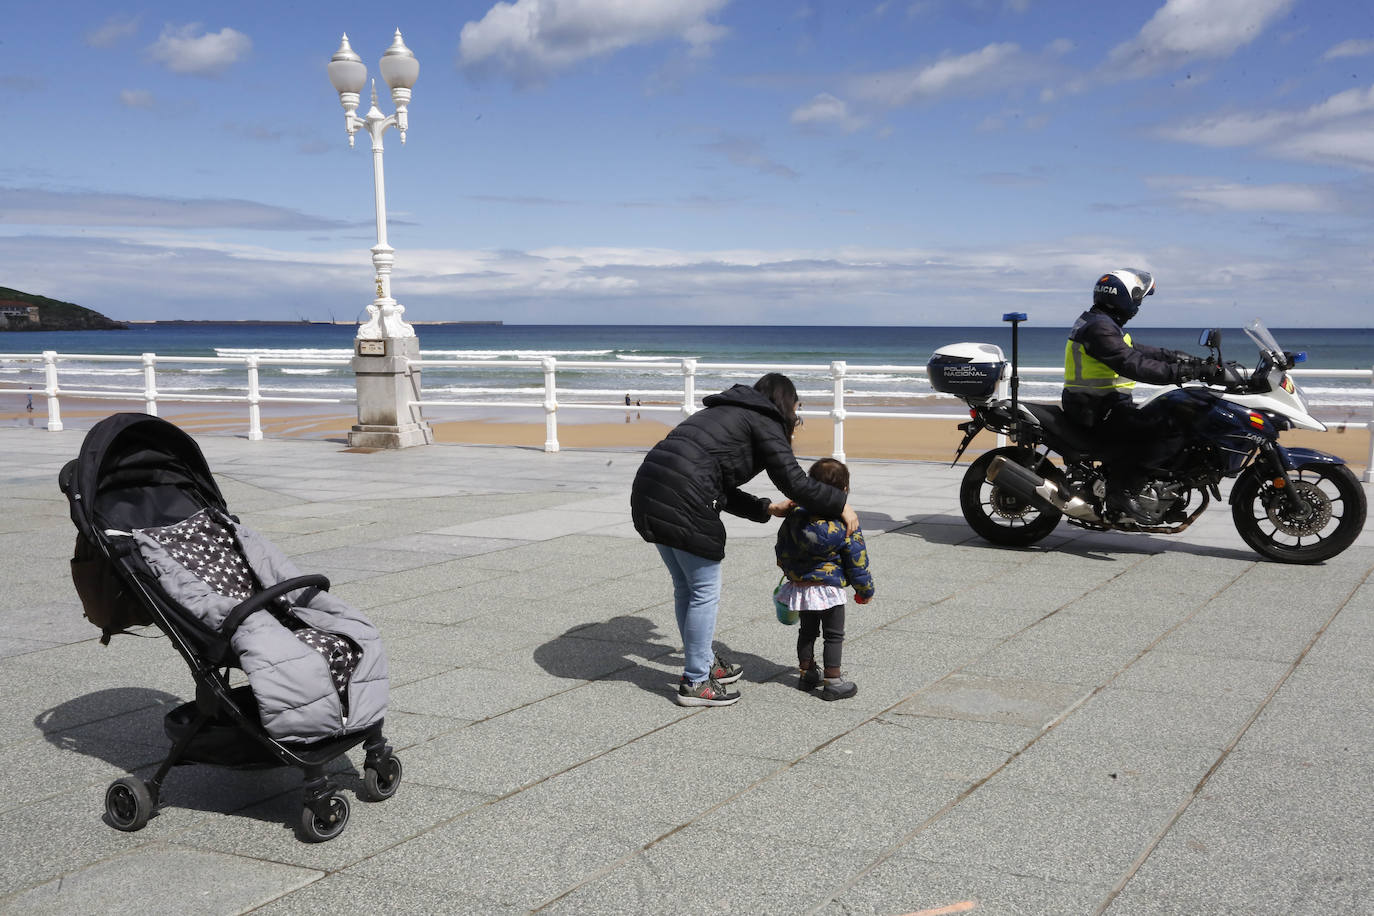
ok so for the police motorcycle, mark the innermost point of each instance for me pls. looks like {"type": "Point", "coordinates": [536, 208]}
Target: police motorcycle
{"type": "Point", "coordinates": [1293, 505]}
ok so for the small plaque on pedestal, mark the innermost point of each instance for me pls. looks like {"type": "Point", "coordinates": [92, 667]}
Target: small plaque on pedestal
{"type": "Point", "coordinates": [371, 347]}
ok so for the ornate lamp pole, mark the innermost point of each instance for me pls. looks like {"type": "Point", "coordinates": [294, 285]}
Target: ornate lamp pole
{"type": "Point", "coordinates": [386, 350]}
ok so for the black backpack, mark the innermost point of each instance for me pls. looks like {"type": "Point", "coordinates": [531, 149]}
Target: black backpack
{"type": "Point", "coordinates": [106, 599]}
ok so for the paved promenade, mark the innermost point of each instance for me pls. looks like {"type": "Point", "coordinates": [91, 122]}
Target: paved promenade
{"type": "Point", "coordinates": [1104, 723]}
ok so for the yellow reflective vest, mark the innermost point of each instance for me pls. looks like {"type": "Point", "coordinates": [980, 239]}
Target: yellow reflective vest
{"type": "Point", "coordinates": [1089, 374]}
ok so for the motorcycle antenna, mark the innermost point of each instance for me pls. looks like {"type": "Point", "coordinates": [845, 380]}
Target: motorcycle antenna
{"type": "Point", "coordinates": [1015, 318]}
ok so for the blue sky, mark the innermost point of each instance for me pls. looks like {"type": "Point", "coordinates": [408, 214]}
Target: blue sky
{"type": "Point", "coordinates": [699, 161]}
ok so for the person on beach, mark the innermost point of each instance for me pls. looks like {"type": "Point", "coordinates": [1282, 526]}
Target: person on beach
{"type": "Point", "coordinates": [1102, 365]}
{"type": "Point", "coordinates": [820, 557]}
{"type": "Point", "coordinates": [29, 408]}
{"type": "Point", "coordinates": [684, 483]}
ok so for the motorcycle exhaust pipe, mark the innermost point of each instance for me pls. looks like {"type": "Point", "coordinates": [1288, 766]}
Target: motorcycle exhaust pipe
{"type": "Point", "coordinates": [1037, 491]}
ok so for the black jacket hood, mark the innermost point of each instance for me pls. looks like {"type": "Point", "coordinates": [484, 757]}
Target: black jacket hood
{"type": "Point", "coordinates": [747, 397]}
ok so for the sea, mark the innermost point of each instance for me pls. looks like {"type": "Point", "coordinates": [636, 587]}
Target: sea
{"type": "Point", "coordinates": [624, 350]}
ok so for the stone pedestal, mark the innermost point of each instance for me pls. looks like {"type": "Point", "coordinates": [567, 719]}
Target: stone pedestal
{"type": "Point", "coordinates": [387, 381]}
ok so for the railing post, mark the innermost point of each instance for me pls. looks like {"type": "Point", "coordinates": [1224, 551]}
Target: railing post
{"type": "Point", "coordinates": [689, 387]}
{"type": "Point", "coordinates": [150, 384]}
{"type": "Point", "coordinates": [50, 389]}
{"type": "Point", "coordinates": [837, 373]}
{"type": "Point", "coordinates": [550, 404]}
{"type": "Point", "coordinates": [254, 401]}
{"type": "Point", "coordinates": [1369, 461]}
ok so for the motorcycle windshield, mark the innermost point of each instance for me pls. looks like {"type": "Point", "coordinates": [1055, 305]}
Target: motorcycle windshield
{"type": "Point", "coordinates": [1262, 338]}
{"type": "Point", "coordinates": [1278, 378]}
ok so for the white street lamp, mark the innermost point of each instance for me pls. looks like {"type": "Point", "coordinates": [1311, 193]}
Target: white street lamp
{"type": "Point", "coordinates": [386, 352]}
{"type": "Point", "coordinates": [347, 72]}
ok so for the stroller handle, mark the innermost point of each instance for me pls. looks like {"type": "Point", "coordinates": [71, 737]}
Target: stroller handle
{"type": "Point", "coordinates": [265, 597]}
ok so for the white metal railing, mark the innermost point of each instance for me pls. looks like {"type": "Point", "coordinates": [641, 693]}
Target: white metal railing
{"type": "Point", "coordinates": [840, 374]}
{"type": "Point", "coordinates": [149, 393]}
{"type": "Point", "coordinates": [839, 371]}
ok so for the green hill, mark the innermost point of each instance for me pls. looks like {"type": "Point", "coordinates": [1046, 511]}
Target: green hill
{"type": "Point", "coordinates": [27, 312]}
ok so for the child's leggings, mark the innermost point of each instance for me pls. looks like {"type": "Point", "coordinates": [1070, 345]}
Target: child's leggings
{"type": "Point", "coordinates": [812, 624]}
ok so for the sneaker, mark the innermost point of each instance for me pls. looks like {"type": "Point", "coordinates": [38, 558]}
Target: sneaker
{"type": "Point", "coordinates": [704, 693]}
{"type": "Point", "coordinates": [723, 672]}
{"type": "Point", "coordinates": [838, 688]}
{"type": "Point", "coordinates": [809, 679]}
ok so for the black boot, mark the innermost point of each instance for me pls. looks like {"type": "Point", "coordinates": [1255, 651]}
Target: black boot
{"type": "Point", "coordinates": [1129, 502]}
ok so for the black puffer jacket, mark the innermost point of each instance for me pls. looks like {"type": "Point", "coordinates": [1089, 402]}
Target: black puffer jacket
{"type": "Point", "coordinates": [694, 473]}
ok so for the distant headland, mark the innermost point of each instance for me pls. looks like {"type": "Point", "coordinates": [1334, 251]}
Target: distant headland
{"type": "Point", "coordinates": [21, 311]}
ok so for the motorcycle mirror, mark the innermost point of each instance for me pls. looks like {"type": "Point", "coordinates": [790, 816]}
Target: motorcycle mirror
{"type": "Point", "coordinates": [1210, 338]}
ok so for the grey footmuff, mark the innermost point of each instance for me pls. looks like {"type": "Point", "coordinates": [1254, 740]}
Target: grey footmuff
{"type": "Point", "coordinates": [317, 669]}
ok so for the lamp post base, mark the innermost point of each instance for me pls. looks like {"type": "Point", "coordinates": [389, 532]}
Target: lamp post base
{"type": "Point", "coordinates": [387, 375]}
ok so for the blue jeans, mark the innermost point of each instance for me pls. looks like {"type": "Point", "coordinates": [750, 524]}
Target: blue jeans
{"type": "Point", "coordinates": [696, 597]}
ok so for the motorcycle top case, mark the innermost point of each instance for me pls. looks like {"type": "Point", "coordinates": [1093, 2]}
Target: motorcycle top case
{"type": "Point", "coordinates": [969, 370]}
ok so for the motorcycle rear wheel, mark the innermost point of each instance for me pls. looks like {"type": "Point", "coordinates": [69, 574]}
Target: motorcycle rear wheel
{"type": "Point", "coordinates": [998, 515]}
{"type": "Point", "coordinates": [1333, 515]}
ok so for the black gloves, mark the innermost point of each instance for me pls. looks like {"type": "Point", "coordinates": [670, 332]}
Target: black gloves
{"type": "Point", "coordinates": [1205, 370]}
{"type": "Point", "coordinates": [1187, 368]}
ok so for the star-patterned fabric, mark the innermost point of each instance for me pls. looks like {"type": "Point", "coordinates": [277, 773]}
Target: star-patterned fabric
{"type": "Point", "coordinates": [210, 552]}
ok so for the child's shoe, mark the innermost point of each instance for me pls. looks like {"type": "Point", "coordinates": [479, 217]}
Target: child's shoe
{"type": "Point", "coordinates": [704, 693]}
{"type": "Point", "coordinates": [809, 678]}
{"type": "Point", "coordinates": [838, 687]}
{"type": "Point", "coordinates": [724, 672]}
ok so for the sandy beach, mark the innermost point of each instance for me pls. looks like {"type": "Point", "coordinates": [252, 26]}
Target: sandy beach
{"type": "Point", "coordinates": [864, 437]}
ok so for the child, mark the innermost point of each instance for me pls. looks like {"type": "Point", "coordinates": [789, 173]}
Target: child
{"type": "Point", "coordinates": [819, 560]}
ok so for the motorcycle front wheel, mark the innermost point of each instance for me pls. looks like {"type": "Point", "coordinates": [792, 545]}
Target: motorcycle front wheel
{"type": "Point", "coordinates": [1330, 514]}
{"type": "Point", "coordinates": [998, 515]}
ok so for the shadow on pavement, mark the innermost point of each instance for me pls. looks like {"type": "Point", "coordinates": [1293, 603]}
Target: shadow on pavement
{"type": "Point", "coordinates": [618, 649]}
{"type": "Point", "coordinates": [123, 726]}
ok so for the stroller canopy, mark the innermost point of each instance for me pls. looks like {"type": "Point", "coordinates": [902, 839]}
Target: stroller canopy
{"type": "Point", "coordinates": [135, 470]}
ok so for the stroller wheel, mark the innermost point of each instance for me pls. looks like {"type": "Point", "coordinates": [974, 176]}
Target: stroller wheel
{"type": "Point", "coordinates": [381, 783]}
{"type": "Point", "coordinates": [128, 804]}
{"type": "Point", "coordinates": [316, 828]}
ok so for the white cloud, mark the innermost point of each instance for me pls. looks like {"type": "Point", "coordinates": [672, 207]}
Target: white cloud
{"type": "Point", "coordinates": [188, 49]}
{"type": "Point", "coordinates": [136, 98]}
{"type": "Point", "coordinates": [965, 72]}
{"type": "Point", "coordinates": [1185, 30]}
{"type": "Point", "coordinates": [826, 112]}
{"type": "Point", "coordinates": [1275, 198]}
{"type": "Point", "coordinates": [1339, 130]}
{"type": "Point", "coordinates": [33, 207]}
{"type": "Point", "coordinates": [529, 40]}
{"type": "Point", "coordinates": [112, 31]}
{"type": "Point", "coordinates": [748, 153]}
{"type": "Point", "coordinates": [1352, 48]}
{"type": "Point", "coordinates": [932, 285]}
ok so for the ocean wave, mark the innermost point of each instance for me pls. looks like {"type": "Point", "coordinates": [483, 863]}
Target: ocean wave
{"type": "Point", "coordinates": [509, 354]}
{"type": "Point", "coordinates": [289, 371]}
{"type": "Point", "coordinates": [211, 371]}
{"type": "Point", "coordinates": [67, 371]}
{"type": "Point", "coordinates": [298, 353]}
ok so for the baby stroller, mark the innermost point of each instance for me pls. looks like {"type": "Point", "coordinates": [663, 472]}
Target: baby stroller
{"type": "Point", "coordinates": [156, 544]}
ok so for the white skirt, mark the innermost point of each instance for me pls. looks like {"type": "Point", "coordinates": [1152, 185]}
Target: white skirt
{"type": "Point", "coordinates": [810, 596]}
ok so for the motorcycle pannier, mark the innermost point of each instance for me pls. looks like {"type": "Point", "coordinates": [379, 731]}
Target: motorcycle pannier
{"type": "Point", "coordinates": [969, 370]}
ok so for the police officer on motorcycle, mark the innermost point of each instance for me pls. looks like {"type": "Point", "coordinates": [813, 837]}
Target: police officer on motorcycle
{"type": "Point", "coordinates": [1101, 366]}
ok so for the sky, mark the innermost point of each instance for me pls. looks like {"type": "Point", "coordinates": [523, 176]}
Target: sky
{"type": "Point", "coordinates": [751, 162]}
